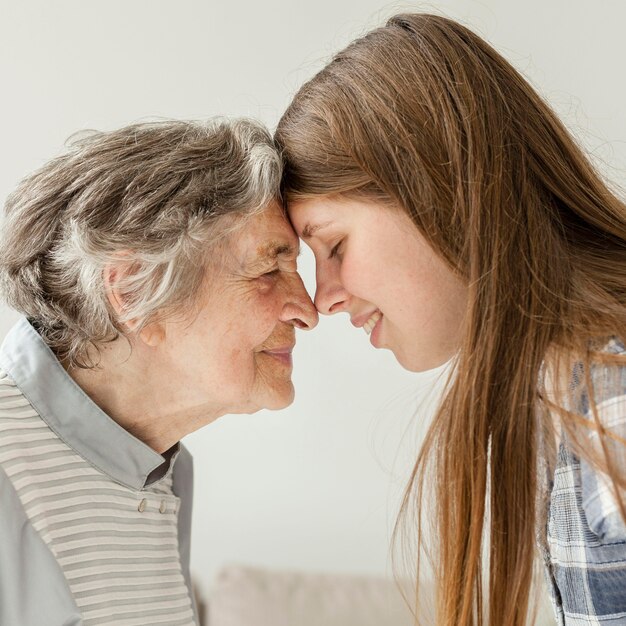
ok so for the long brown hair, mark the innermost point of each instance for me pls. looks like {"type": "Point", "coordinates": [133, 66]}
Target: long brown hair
{"type": "Point", "coordinates": [423, 114]}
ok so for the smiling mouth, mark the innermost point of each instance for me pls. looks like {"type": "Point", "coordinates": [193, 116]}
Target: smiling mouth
{"type": "Point", "coordinates": [368, 327]}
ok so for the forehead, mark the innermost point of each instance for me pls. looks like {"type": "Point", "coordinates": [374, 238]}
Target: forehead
{"type": "Point", "coordinates": [266, 234]}
{"type": "Point", "coordinates": [302, 212]}
{"type": "Point", "coordinates": [311, 215]}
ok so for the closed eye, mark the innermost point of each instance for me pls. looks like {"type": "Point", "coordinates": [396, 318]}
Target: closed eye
{"type": "Point", "coordinates": [335, 250]}
{"type": "Point", "coordinates": [273, 272]}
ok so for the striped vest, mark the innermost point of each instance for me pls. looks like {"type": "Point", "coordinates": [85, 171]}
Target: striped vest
{"type": "Point", "coordinates": [117, 547]}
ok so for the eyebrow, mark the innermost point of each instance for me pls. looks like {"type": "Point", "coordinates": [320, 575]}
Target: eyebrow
{"type": "Point", "coordinates": [310, 229]}
{"type": "Point", "coordinates": [272, 250]}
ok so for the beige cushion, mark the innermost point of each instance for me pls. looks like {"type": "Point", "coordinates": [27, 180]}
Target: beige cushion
{"type": "Point", "coordinates": [245, 596]}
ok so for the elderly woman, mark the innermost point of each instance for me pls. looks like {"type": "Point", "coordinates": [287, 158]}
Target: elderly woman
{"type": "Point", "coordinates": [157, 277]}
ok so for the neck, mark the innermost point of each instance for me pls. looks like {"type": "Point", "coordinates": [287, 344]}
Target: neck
{"type": "Point", "coordinates": [138, 388]}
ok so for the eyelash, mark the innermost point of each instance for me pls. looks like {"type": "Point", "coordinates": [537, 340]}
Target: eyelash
{"type": "Point", "coordinates": [335, 250]}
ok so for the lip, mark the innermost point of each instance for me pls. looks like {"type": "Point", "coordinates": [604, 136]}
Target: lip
{"type": "Point", "coordinates": [360, 320]}
{"type": "Point", "coordinates": [288, 349]}
{"type": "Point", "coordinates": [281, 354]}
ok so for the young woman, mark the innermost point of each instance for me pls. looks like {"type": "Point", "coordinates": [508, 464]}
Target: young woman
{"type": "Point", "coordinates": [453, 217]}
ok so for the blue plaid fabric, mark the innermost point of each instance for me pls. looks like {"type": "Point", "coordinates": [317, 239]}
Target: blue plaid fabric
{"type": "Point", "coordinates": [584, 547]}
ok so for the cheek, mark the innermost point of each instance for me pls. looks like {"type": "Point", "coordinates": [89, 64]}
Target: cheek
{"type": "Point", "coordinates": [358, 276]}
{"type": "Point", "coordinates": [258, 319]}
{"type": "Point", "coordinates": [435, 304]}
{"type": "Point", "coordinates": [265, 307]}
{"type": "Point", "coordinates": [250, 311]}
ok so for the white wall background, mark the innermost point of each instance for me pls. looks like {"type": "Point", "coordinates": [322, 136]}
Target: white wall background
{"type": "Point", "coordinates": [316, 486]}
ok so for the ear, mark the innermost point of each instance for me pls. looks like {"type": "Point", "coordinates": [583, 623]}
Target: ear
{"type": "Point", "coordinates": [114, 275]}
{"type": "Point", "coordinates": [153, 334]}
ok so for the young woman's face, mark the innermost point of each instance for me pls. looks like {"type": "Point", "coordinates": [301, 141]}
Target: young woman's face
{"type": "Point", "coordinates": [372, 263]}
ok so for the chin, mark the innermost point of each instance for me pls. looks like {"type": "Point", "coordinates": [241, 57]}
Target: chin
{"type": "Point", "coordinates": [280, 398]}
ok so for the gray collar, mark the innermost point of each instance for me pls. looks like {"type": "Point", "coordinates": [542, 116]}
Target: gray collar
{"type": "Point", "coordinates": [73, 416]}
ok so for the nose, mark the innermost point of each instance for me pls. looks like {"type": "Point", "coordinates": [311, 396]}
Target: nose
{"type": "Point", "coordinates": [330, 295]}
{"type": "Point", "coordinates": [299, 309]}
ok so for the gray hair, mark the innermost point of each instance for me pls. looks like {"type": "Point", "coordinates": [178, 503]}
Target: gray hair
{"type": "Point", "coordinates": [157, 195]}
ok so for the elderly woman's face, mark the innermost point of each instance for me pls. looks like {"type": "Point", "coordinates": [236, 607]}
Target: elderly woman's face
{"type": "Point", "coordinates": [238, 349]}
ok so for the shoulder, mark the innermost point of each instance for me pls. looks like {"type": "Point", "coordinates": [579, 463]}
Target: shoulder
{"type": "Point", "coordinates": [586, 535]}
{"type": "Point", "coordinates": [608, 374]}
{"type": "Point", "coordinates": [33, 589]}
{"type": "Point", "coordinates": [46, 597]}
{"type": "Point", "coordinates": [605, 406]}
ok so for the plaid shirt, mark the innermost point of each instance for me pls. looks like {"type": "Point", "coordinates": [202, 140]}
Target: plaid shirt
{"type": "Point", "coordinates": [584, 548]}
